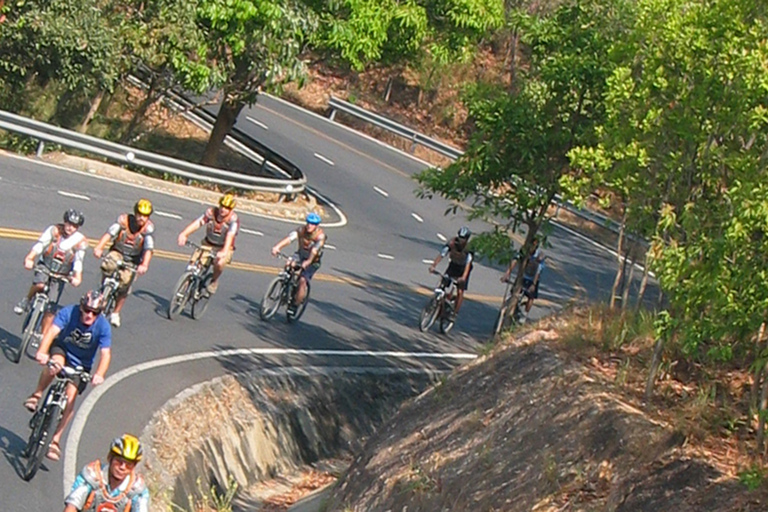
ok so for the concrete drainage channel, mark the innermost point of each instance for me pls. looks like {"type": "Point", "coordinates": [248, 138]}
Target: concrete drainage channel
{"type": "Point", "coordinates": [253, 427]}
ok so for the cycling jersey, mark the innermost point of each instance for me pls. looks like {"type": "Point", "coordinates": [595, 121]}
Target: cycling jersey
{"type": "Point", "coordinates": [216, 231]}
{"type": "Point", "coordinates": [458, 255]}
{"type": "Point", "coordinates": [535, 265]}
{"type": "Point", "coordinates": [91, 491]}
{"type": "Point", "coordinates": [58, 253]}
{"type": "Point", "coordinates": [130, 240]}
{"type": "Point", "coordinates": [81, 342]}
{"type": "Point", "coordinates": [308, 241]}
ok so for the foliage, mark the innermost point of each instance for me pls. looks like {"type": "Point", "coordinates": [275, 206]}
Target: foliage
{"type": "Point", "coordinates": [517, 157]}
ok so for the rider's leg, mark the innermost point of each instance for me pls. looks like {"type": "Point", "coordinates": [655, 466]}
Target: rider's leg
{"type": "Point", "coordinates": [47, 320]}
{"type": "Point", "coordinates": [119, 301]}
{"type": "Point", "coordinates": [218, 268]}
{"type": "Point", "coordinates": [46, 376]}
{"type": "Point", "coordinates": [35, 288]}
{"type": "Point", "coordinates": [67, 415]}
{"type": "Point", "coordinates": [301, 292]}
{"type": "Point", "coordinates": [459, 300]}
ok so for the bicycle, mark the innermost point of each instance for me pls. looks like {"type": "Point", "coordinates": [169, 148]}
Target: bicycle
{"type": "Point", "coordinates": [41, 303]}
{"type": "Point", "coordinates": [191, 286]}
{"type": "Point", "coordinates": [511, 309]}
{"type": "Point", "coordinates": [111, 283]}
{"type": "Point", "coordinates": [45, 420]}
{"type": "Point", "coordinates": [282, 292]}
{"type": "Point", "coordinates": [441, 305]}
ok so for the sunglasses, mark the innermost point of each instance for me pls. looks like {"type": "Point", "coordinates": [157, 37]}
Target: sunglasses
{"type": "Point", "coordinates": [91, 311]}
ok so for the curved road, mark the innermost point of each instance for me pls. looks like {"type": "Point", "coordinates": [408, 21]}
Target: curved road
{"type": "Point", "coordinates": [365, 299]}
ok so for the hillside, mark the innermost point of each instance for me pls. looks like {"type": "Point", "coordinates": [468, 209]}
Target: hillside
{"type": "Point", "coordinates": [530, 427]}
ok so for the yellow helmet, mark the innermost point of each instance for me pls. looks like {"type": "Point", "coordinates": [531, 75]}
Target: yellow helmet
{"type": "Point", "coordinates": [228, 201]}
{"type": "Point", "coordinates": [128, 447]}
{"type": "Point", "coordinates": [143, 207]}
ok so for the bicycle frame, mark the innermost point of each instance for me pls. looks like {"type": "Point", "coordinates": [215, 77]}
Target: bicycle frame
{"type": "Point", "coordinates": [40, 305]}
{"type": "Point", "coordinates": [111, 283]}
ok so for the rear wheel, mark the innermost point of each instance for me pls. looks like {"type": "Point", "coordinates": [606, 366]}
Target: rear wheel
{"type": "Point", "coordinates": [39, 442]}
{"type": "Point", "coordinates": [271, 300]}
{"type": "Point", "coordinates": [200, 305]}
{"type": "Point", "coordinates": [180, 295]}
{"type": "Point", "coordinates": [300, 309]}
{"type": "Point", "coordinates": [429, 314]}
{"type": "Point", "coordinates": [447, 319]}
{"type": "Point", "coordinates": [30, 327]}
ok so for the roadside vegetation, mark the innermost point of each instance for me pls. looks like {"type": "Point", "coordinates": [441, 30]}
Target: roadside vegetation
{"type": "Point", "coordinates": [655, 109]}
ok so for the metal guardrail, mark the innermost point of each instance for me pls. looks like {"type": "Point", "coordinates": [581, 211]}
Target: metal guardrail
{"type": "Point", "coordinates": [415, 137]}
{"type": "Point", "coordinates": [337, 104]}
{"type": "Point", "coordinates": [133, 156]}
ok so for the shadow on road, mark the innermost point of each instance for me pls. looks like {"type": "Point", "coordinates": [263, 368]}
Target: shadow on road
{"type": "Point", "coordinates": [12, 445]}
{"type": "Point", "coordinates": [9, 343]}
{"type": "Point", "coordinates": [159, 303]}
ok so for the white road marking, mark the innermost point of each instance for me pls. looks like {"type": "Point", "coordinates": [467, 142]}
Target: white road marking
{"type": "Point", "coordinates": [257, 123]}
{"type": "Point", "coordinates": [81, 417]}
{"type": "Point", "coordinates": [385, 256]}
{"type": "Point", "coordinates": [250, 232]}
{"type": "Point", "coordinates": [442, 237]}
{"type": "Point", "coordinates": [428, 262]}
{"type": "Point", "coordinates": [324, 159]}
{"type": "Point", "coordinates": [169, 215]}
{"type": "Point", "coordinates": [381, 191]}
{"type": "Point", "coordinates": [329, 246]}
{"type": "Point", "coordinates": [72, 194]}
{"type": "Point", "coordinates": [417, 217]}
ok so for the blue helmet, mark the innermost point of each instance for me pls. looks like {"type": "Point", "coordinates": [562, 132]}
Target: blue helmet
{"type": "Point", "coordinates": [313, 218]}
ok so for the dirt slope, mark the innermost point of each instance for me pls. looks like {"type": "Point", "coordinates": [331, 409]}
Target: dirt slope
{"type": "Point", "coordinates": [529, 429]}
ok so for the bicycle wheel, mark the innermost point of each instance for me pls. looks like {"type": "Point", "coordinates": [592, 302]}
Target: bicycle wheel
{"type": "Point", "coordinates": [180, 295]}
{"type": "Point", "coordinates": [290, 318]}
{"type": "Point", "coordinates": [429, 314]}
{"type": "Point", "coordinates": [108, 292]}
{"type": "Point", "coordinates": [30, 326]}
{"type": "Point", "coordinates": [447, 319]}
{"type": "Point", "coordinates": [200, 304]}
{"type": "Point", "coordinates": [39, 441]}
{"type": "Point", "coordinates": [272, 298]}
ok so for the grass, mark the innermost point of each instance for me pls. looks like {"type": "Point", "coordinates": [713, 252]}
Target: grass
{"type": "Point", "coordinates": [212, 500]}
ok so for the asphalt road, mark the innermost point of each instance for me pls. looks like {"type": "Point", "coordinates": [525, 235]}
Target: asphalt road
{"type": "Point", "coordinates": [365, 299]}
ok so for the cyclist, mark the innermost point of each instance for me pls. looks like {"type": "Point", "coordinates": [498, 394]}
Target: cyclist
{"type": "Point", "coordinates": [115, 486]}
{"type": "Point", "coordinates": [311, 240]}
{"type": "Point", "coordinates": [531, 275]}
{"type": "Point", "coordinates": [221, 227]}
{"type": "Point", "coordinates": [60, 249]}
{"type": "Point", "coordinates": [130, 240]}
{"type": "Point", "coordinates": [78, 332]}
{"type": "Point", "coordinates": [460, 263]}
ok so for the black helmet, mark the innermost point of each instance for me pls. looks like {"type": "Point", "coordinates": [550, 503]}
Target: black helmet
{"type": "Point", "coordinates": [74, 217]}
{"type": "Point", "coordinates": [464, 233]}
{"type": "Point", "coordinates": [92, 300]}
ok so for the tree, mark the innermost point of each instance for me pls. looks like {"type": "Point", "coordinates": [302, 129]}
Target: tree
{"type": "Point", "coordinates": [518, 154]}
{"type": "Point", "coordinates": [256, 45]}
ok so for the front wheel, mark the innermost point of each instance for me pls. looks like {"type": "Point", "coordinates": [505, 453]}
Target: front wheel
{"type": "Point", "coordinates": [271, 300]}
{"type": "Point", "coordinates": [180, 295]}
{"type": "Point", "coordinates": [447, 319]}
{"type": "Point", "coordinates": [200, 304]}
{"type": "Point", "coordinates": [293, 317]}
{"type": "Point", "coordinates": [429, 314]}
{"type": "Point", "coordinates": [108, 294]}
{"type": "Point", "coordinates": [30, 327]}
{"type": "Point", "coordinates": [39, 441]}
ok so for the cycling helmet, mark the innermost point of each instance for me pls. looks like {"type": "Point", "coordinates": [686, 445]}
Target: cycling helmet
{"type": "Point", "coordinates": [228, 201]}
{"type": "Point", "coordinates": [92, 300]}
{"type": "Point", "coordinates": [74, 217]}
{"type": "Point", "coordinates": [143, 207]}
{"type": "Point", "coordinates": [464, 233]}
{"type": "Point", "coordinates": [313, 218]}
{"type": "Point", "coordinates": [127, 447]}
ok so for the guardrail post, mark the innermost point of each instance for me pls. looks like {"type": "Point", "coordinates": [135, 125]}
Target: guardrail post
{"type": "Point", "coordinates": [414, 141]}
{"type": "Point", "coordinates": [40, 149]}
{"type": "Point", "coordinates": [333, 114]}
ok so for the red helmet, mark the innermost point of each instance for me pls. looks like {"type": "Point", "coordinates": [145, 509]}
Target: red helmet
{"type": "Point", "coordinates": [92, 300]}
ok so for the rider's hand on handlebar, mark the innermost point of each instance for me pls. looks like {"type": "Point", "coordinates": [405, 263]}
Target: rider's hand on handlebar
{"type": "Point", "coordinates": [98, 252]}
{"type": "Point", "coordinates": [182, 240]}
{"type": "Point", "coordinates": [275, 251]}
{"type": "Point", "coordinates": [97, 379]}
{"type": "Point", "coordinates": [75, 280]}
{"type": "Point", "coordinates": [431, 269]}
{"type": "Point", "coordinates": [29, 263]}
{"type": "Point", "coordinates": [142, 269]}
{"type": "Point", "coordinates": [42, 358]}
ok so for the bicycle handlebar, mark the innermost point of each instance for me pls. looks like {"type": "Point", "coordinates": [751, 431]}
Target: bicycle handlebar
{"type": "Point", "coordinates": [69, 373]}
{"type": "Point", "coordinates": [53, 275]}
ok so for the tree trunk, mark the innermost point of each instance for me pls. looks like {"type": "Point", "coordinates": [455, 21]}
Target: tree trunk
{"type": "Point", "coordinates": [139, 114]}
{"type": "Point", "coordinates": [761, 412]}
{"type": "Point", "coordinates": [643, 284]}
{"type": "Point", "coordinates": [91, 112]}
{"type": "Point", "coordinates": [514, 40]}
{"type": "Point", "coordinates": [388, 92]}
{"type": "Point", "coordinates": [628, 260]}
{"type": "Point", "coordinates": [621, 261]}
{"type": "Point", "coordinates": [655, 363]}
{"type": "Point", "coordinates": [758, 371]}
{"type": "Point", "coordinates": [224, 123]}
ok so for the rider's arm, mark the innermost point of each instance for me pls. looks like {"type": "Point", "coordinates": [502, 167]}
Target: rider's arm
{"type": "Point", "coordinates": [314, 250]}
{"type": "Point", "coordinates": [140, 502]}
{"type": "Point", "coordinates": [234, 227]}
{"type": "Point", "coordinates": [45, 238]}
{"type": "Point", "coordinates": [77, 264]}
{"type": "Point", "coordinates": [75, 500]}
{"type": "Point", "coordinates": [106, 238]}
{"type": "Point", "coordinates": [61, 319]}
{"type": "Point", "coordinates": [442, 254]}
{"type": "Point", "coordinates": [147, 250]}
{"type": "Point", "coordinates": [510, 268]}
{"type": "Point", "coordinates": [191, 228]}
{"type": "Point", "coordinates": [467, 267]}
{"type": "Point", "coordinates": [105, 357]}
{"type": "Point", "coordinates": [293, 235]}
